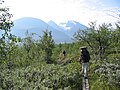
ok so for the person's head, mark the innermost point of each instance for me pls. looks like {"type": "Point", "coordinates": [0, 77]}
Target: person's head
{"type": "Point", "coordinates": [83, 48]}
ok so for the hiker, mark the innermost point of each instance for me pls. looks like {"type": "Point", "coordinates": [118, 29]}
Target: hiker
{"type": "Point", "coordinates": [64, 53]}
{"type": "Point", "coordinates": [84, 60]}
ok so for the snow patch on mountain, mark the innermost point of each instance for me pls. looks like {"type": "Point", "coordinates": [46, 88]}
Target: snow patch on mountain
{"type": "Point", "coordinates": [74, 22]}
{"type": "Point", "coordinates": [64, 26]}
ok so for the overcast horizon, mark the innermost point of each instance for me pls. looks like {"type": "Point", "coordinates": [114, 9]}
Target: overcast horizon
{"type": "Point", "coordinates": [83, 11]}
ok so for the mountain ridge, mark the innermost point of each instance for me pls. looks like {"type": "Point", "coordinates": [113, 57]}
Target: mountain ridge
{"type": "Point", "coordinates": [34, 25]}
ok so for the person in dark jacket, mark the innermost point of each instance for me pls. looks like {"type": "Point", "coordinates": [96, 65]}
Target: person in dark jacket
{"type": "Point", "coordinates": [64, 53]}
{"type": "Point", "coordinates": [84, 60]}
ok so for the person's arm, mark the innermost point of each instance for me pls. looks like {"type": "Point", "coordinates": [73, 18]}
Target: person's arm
{"type": "Point", "coordinates": [88, 56]}
{"type": "Point", "coordinates": [81, 58]}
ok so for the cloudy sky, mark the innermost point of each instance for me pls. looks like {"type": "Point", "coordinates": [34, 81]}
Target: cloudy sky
{"type": "Point", "coordinates": [83, 11]}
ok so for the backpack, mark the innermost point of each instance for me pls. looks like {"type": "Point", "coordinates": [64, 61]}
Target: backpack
{"type": "Point", "coordinates": [85, 57]}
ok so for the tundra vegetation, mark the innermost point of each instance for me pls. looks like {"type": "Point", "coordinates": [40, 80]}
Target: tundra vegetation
{"type": "Point", "coordinates": [28, 64]}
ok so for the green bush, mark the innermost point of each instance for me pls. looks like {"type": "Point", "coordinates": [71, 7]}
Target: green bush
{"type": "Point", "coordinates": [41, 77]}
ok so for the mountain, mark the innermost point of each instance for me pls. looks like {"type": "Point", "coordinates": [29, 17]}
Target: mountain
{"type": "Point", "coordinates": [57, 27]}
{"type": "Point", "coordinates": [62, 32]}
{"type": "Point", "coordinates": [34, 25]}
{"type": "Point", "coordinates": [71, 27]}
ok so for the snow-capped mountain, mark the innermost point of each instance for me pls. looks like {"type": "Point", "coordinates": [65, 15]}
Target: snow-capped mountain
{"type": "Point", "coordinates": [54, 25]}
{"type": "Point", "coordinates": [61, 33]}
{"type": "Point", "coordinates": [33, 25]}
{"type": "Point", "coordinates": [57, 27]}
{"type": "Point", "coordinates": [72, 26]}
{"type": "Point", "coordinates": [69, 27]}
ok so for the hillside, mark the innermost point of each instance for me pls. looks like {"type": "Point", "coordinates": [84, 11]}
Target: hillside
{"type": "Point", "coordinates": [37, 26]}
{"type": "Point", "coordinates": [61, 33]}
